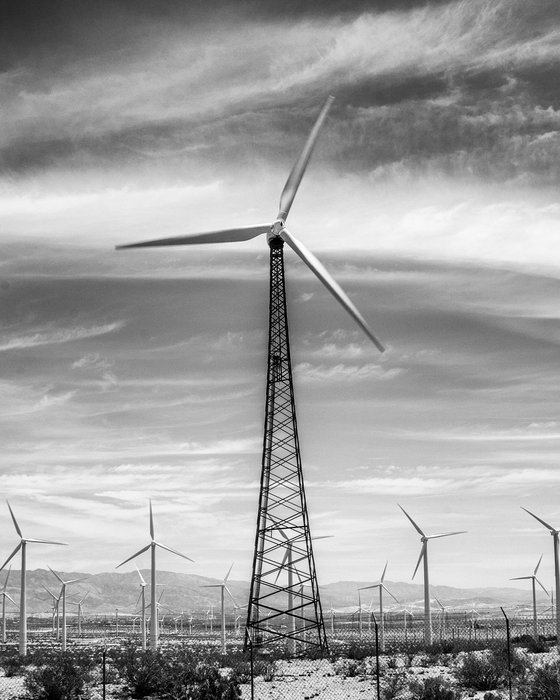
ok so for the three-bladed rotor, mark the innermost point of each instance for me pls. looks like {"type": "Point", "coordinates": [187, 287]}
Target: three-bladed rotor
{"type": "Point", "coordinates": [278, 231]}
{"type": "Point", "coordinates": [424, 538]}
{"type": "Point", "coordinates": [532, 577]}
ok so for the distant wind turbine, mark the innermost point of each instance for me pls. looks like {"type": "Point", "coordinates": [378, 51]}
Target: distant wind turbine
{"type": "Point", "coordinates": [153, 575]}
{"type": "Point", "coordinates": [381, 587]}
{"type": "Point", "coordinates": [80, 612]}
{"type": "Point", "coordinates": [554, 532]}
{"type": "Point", "coordinates": [223, 590]}
{"type": "Point", "coordinates": [24, 541]}
{"type": "Point", "coordinates": [424, 555]}
{"type": "Point", "coordinates": [534, 579]}
{"type": "Point", "coordinates": [142, 600]}
{"type": "Point", "coordinates": [55, 606]}
{"type": "Point", "coordinates": [5, 595]}
{"type": "Point", "coordinates": [63, 594]}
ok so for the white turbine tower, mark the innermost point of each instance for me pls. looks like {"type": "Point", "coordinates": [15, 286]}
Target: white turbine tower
{"type": "Point", "coordinates": [382, 587]}
{"type": "Point", "coordinates": [5, 595]}
{"type": "Point", "coordinates": [424, 556]}
{"type": "Point", "coordinates": [534, 580]}
{"type": "Point", "coordinates": [24, 541]}
{"type": "Point", "coordinates": [223, 590]}
{"type": "Point", "coordinates": [63, 597]}
{"type": "Point", "coordinates": [142, 601]}
{"type": "Point", "coordinates": [55, 607]}
{"type": "Point", "coordinates": [554, 532]}
{"type": "Point", "coordinates": [152, 546]}
{"type": "Point", "coordinates": [78, 603]}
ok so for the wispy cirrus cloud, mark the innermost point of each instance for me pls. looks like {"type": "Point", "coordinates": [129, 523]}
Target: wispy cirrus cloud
{"type": "Point", "coordinates": [54, 336]}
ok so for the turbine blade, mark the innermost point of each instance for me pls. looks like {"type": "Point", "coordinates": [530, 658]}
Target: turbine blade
{"type": "Point", "coordinates": [412, 521]}
{"type": "Point", "coordinates": [49, 592]}
{"type": "Point", "coordinates": [174, 551]}
{"type": "Point", "coordinates": [140, 551]}
{"type": "Point", "coordinates": [76, 580]}
{"type": "Point", "coordinates": [389, 592]}
{"type": "Point", "coordinates": [142, 582]}
{"type": "Point", "coordinates": [230, 235]}
{"type": "Point", "coordinates": [384, 570]}
{"type": "Point", "coordinates": [284, 559]}
{"type": "Point", "coordinates": [9, 597]}
{"type": "Point", "coordinates": [540, 520]}
{"type": "Point", "coordinates": [537, 566]}
{"type": "Point", "coordinates": [57, 576]}
{"type": "Point", "coordinates": [540, 584]}
{"type": "Point", "coordinates": [294, 178]}
{"type": "Point", "coordinates": [7, 579]}
{"type": "Point", "coordinates": [445, 534]}
{"type": "Point", "coordinates": [14, 519]}
{"type": "Point", "coordinates": [366, 588]}
{"type": "Point", "coordinates": [34, 541]}
{"type": "Point", "coordinates": [422, 553]}
{"type": "Point", "coordinates": [520, 578]}
{"type": "Point", "coordinates": [151, 521]}
{"type": "Point", "coordinates": [334, 288]}
{"type": "Point", "coordinates": [229, 572]}
{"type": "Point", "coordinates": [231, 596]}
{"type": "Point", "coordinates": [16, 550]}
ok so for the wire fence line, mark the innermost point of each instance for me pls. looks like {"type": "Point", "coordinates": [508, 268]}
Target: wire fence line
{"type": "Point", "coordinates": [344, 630]}
{"type": "Point", "coordinates": [262, 673]}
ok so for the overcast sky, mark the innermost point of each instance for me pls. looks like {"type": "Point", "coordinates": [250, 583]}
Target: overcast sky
{"type": "Point", "coordinates": [433, 199]}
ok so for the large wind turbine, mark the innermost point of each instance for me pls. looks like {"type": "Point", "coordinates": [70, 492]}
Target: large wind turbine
{"type": "Point", "coordinates": [424, 555]}
{"type": "Point", "coordinates": [554, 532]}
{"type": "Point", "coordinates": [382, 587]}
{"type": "Point", "coordinates": [153, 575]}
{"type": "Point", "coordinates": [63, 597]}
{"type": "Point", "coordinates": [223, 590]}
{"type": "Point", "coordinates": [282, 494]}
{"type": "Point", "coordinates": [534, 580]}
{"type": "Point", "coordinates": [23, 542]}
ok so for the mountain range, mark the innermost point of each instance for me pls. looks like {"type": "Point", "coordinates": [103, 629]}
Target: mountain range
{"type": "Point", "coordinates": [107, 591]}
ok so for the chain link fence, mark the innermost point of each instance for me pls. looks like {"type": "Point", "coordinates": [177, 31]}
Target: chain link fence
{"type": "Point", "coordinates": [359, 664]}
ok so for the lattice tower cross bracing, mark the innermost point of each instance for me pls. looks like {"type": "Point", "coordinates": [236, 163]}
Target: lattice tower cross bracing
{"type": "Point", "coordinates": [284, 603]}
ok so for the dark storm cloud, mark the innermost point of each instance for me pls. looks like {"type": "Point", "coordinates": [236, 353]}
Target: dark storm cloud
{"type": "Point", "coordinates": [462, 88]}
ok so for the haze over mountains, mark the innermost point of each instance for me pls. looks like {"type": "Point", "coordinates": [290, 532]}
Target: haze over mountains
{"type": "Point", "coordinates": [184, 592]}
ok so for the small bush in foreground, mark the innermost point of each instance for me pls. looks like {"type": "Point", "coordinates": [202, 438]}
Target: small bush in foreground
{"type": "Point", "coordinates": [434, 688]}
{"type": "Point", "coordinates": [12, 663]}
{"type": "Point", "coordinates": [479, 672]}
{"type": "Point", "coordinates": [545, 683]}
{"type": "Point", "coordinates": [62, 679]}
{"type": "Point", "coordinates": [394, 687]}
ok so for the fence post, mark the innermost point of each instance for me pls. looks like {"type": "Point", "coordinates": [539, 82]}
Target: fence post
{"type": "Point", "coordinates": [377, 654]}
{"type": "Point", "coordinates": [251, 666]}
{"type": "Point", "coordinates": [508, 651]}
{"type": "Point", "coordinates": [104, 672]}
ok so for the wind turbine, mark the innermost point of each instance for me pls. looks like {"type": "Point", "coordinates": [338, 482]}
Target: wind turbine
{"type": "Point", "coordinates": [282, 493]}
{"type": "Point", "coordinates": [24, 541]}
{"type": "Point", "coordinates": [424, 555]}
{"type": "Point", "coordinates": [442, 617]}
{"type": "Point", "coordinates": [142, 601]}
{"type": "Point", "coordinates": [554, 532]}
{"type": "Point", "coordinates": [55, 604]}
{"type": "Point", "coordinates": [63, 595]}
{"type": "Point", "coordinates": [534, 580]}
{"type": "Point", "coordinates": [5, 595]}
{"type": "Point", "coordinates": [80, 612]}
{"type": "Point", "coordinates": [223, 590]}
{"type": "Point", "coordinates": [152, 546]}
{"type": "Point", "coordinates": [381, 587]}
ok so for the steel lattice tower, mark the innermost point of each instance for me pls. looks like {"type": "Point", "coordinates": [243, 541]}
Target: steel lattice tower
{"type": "Point", "coordinates": [284, 603]}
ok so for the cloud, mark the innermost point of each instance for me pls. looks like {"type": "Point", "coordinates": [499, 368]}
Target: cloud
{"type": "Point", "coordinates": [55, 336]}
{"type": "Point", "coordinates": [341, 372]}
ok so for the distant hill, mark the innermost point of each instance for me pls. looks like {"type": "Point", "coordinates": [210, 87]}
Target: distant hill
{"type": "Point", "coordinates": [110, 590]}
